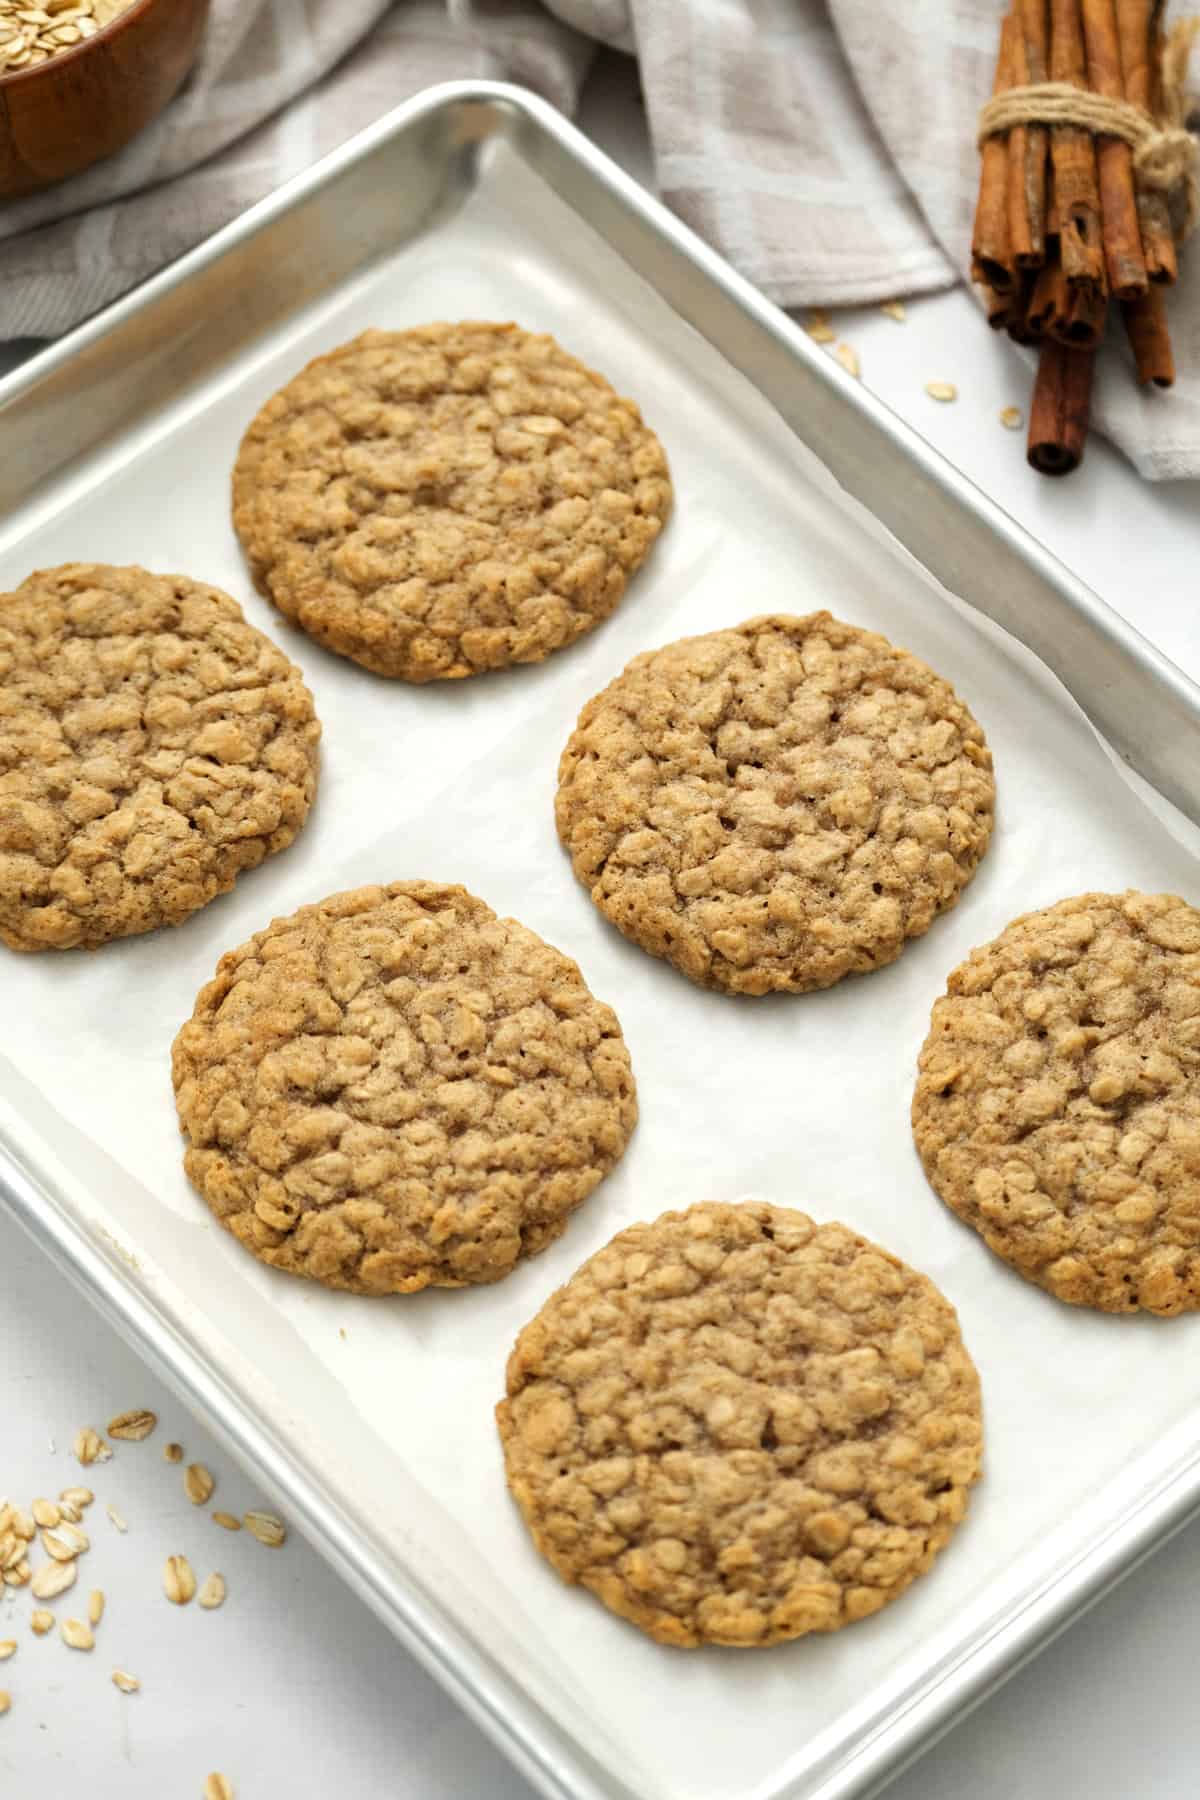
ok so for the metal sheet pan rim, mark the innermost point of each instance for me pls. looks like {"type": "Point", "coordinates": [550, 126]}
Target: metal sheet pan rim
{"type": "Point", "coordinates": [514, 1722]}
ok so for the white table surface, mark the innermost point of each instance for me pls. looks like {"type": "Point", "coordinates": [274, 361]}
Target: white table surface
{"type": "Point", "coordinates": [293, 1689]}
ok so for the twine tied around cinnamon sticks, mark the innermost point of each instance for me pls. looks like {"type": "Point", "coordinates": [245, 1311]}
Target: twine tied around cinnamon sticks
{"type": "Point", "coordinates": [1165, 154]}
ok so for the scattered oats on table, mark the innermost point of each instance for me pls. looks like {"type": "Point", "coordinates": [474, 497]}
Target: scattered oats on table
{"type": "Point", "coordinates": [179, 1583]}
{"type": "Point", "coordinates": [64, 1545]}
{"type": "Point", "coordinates": [5, 1702]}
{"type": "Point", "coordinates": [76, 1635]}
{"type": "Point", "coordinates": [116, 1519]}
{"type": "Point", "coordinates": [95, 1606]}
{"type": "Point", "coordinates": [818, 327]}
{"type": "Point", "coordinates": [894, 310]}
{"type": "Point", "coordinates": [128, 1684]}
{"type": "Point", "coordinates": [52, 1579]}
{"type": "Point", "coordinates": [847, 355]}
{"type": "Point", "coordinates": [8, 1647]}
{"type": "Point", "coordinates": [132, 1427]}
{"type": "Point", "coordinates": [212, 1593]}
{"type": "Point", "coordinates": [218, 1787]}
{"type": "Point", "coordinates": [1012, 418]}
{"type": "Point", "coordinates": [173, 1452]}
{"type": "Point", "coordinates": [89, 1447]}
{"type": "Point", "coordinates": [198, 1484]}
{"type": "Point", "coordinates": [941, 390]}
{"type": "Point", "coordinates": [41, 1621]}
{"type": "Point", "coordinates": [227, 1521]}
{"type": "Point", "coordinates": [266, 1528]}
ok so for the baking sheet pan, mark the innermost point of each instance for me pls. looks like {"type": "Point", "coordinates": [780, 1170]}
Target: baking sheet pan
{"type": "Point", "coordinates": [381, 1442]}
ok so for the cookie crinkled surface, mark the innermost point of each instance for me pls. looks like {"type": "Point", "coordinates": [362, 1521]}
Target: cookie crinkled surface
{"type": "Point", "coordinates": [777, 805]}
{"type": "Point", "coordinates": [449, 499]}
{"type": "Point", "coordinates": [394, 1088]}
{"type": "Point", "coordinates": [1057, 1107]}
{"type": "Point", "coordinates": [153, 745]}
{"type": "Point", "coordinates": [736, 1426]}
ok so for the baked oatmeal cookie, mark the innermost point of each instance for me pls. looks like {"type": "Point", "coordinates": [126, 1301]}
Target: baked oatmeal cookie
{"type": "Point", "coordinates": [394, 1088]}
{"type": "Point", "coordinates": [735, 1426]}
{"type": "Point", "coordinates": [1057, 1107]}
{"type": "Point", "coordinates": [153, 745]}
{"type": "Point", "coordinates": [777, 805]}
{"type": "Point", "coordinates": [454, 498]}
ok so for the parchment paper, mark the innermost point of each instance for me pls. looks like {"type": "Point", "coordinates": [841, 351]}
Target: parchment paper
{"type": "Point", "coordinates": [800, 1101]}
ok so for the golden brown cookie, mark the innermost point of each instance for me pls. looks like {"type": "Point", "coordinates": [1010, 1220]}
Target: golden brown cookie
{"type": "Point", "coordinates": [450, 499]}
{"type": "Point", "coordinates": [394, 1089]}
{"type": "Point", "coordinates": [777, 805]}
{"type": "Point", "coordinates": [152, 746]}
{"type": "Point", "coordinates": [1057, 1108]}
{"type": "Point", "coordinates": [735, 1426]}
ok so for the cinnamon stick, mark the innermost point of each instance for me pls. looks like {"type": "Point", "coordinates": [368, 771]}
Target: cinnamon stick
{"type": "Point", "coordinates": [1114, 159]}
{"type": "Point", "coordinates": [995, 305]}
{"type": "Point", "coordinates": [1139, 25]}
{"type": "Point", "coordinates": [1058, 417]}
{"type": "Point", "coordinates": [1081, 321]}
{"type": "Point", "coordinates": [991, 251]}
{"type": "Point", "coordinates": [1073, 157]}
{"type": "Point", "coordinates": [1053, 222]}
{"type": "Point", "coordinates": [1146, 327]}
{"type": "Point", "coordinates": [1027, 143]}
{"type": "Point", "coordinates": [1057, 310]}
{"type": "Point", "coordinates": [1017, 322]}
{"type": "Point", "coordinates": [1019, 328]}
{"type": "Point", "coordinates": [1049, 300]}
{"type": "Point", "coordinates": [1045, 290]}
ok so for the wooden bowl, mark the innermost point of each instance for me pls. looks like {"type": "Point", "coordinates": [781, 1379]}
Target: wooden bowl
{"type": "Point", "coordinates": [64, 114]}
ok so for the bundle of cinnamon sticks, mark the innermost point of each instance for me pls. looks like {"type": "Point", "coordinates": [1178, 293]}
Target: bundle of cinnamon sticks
{"type": "Point", "coordinates": [1063, 223]}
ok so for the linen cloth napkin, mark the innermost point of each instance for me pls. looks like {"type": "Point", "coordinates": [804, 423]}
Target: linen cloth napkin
{"type": "Point", "coordinates": [826, 147]}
